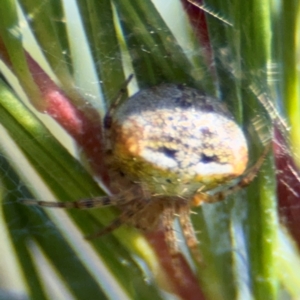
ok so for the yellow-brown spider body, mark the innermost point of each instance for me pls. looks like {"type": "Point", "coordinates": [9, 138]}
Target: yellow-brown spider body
{"type": "Point", "coordinates": [168, 148]}
{"type": "Point", "coordinates": [175, 141]}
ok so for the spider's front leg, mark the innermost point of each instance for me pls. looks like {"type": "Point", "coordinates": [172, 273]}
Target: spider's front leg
{"type": "Point", "coordinates": [189, 232]}
{"type": "Point", "coordinates": [167, 220]}
{"type": "Point", "coordinates": [168, 216]}
{"type": "Point", "coordinates": [130, 207]}
{"type": "Point", "coordinates": [80, 204]}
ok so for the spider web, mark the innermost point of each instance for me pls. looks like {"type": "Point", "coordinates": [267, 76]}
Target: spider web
{"type": "Point", "coordinates": [21, 180]}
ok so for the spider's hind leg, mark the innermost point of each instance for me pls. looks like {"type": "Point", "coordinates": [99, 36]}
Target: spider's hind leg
{"type": "Point", "coordinates": [125, 217]}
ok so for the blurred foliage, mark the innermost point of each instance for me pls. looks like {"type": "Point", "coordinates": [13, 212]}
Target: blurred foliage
{"type": "Point", "coordinates": [247, 253]}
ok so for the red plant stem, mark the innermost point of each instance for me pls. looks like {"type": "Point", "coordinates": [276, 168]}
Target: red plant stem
{"type": "Point", "coordinates": [3, 54]}
{"type": "Point", "coordinates": [288, 186]}
{"type": "Point", "coordinates": [199, 24]}
{"type": "Point", "coordinates": [85, 126]}
{"type": "Point", "coordinates": [85, 129]}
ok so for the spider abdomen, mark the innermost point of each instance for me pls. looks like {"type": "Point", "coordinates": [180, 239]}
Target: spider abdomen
{"type": "Point", "coordinates": [176, 140]}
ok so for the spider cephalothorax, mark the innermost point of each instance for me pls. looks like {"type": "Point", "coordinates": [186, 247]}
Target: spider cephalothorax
{"type": "Point", "coordinates": [167, 149]}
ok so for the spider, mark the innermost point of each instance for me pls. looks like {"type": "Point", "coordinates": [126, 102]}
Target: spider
{"type": "Point", "coordinates": [169, 148]}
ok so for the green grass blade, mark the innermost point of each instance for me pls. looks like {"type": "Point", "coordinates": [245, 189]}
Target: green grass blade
{"type": "Point", "coordinates": [46, 21]}
{"type": "Point", "coordinates": [246, 253]}
{"type": "Point", "coordinates": [98, 21]}
{"type": "Point", "coordinates": [156, 55]}
{"type": "Point", "coordinates": [288, 55]}
{"type": "Point", "coordinates": [12, 39]}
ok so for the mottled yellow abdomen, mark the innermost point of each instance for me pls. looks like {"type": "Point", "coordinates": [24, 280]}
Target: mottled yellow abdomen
{"type": "Point", "coordinates": [176, 141]}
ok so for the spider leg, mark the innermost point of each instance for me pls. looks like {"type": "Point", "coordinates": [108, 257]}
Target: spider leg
{"type": "Point", "coordinates": [168, 216]}
{"type": "Point", "coordinates": [251, 173]}
{"type": "Point", "coordinates": [123, 218]}
{"type": "Point", "coordinates": [115, 103]}
{"type": "Point", "coordinates": [80, 204]}
{"type": "Point", "coordinates": [189, 232]}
